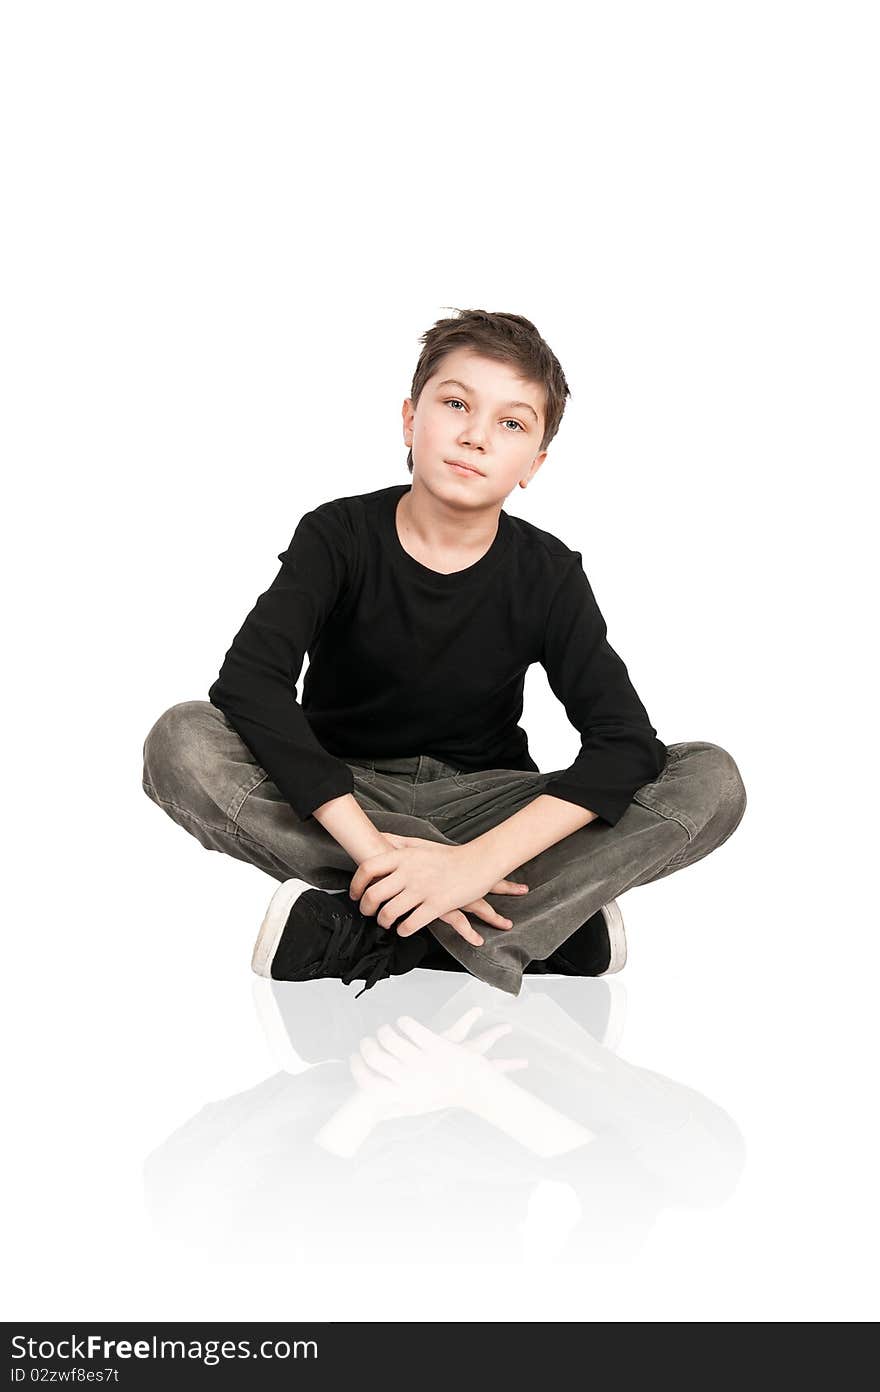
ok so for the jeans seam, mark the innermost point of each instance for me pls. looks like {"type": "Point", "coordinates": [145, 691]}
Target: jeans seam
{"type": "Point", "coordinates": [507, 971]}
{"type": "Point", "coordinates": [231, 829]}
{"type": "Point", "coordinates": [234, 815]}
{"type": "Point", "coordinates": [660, 809]}
{"type": "Point", "coordinates": [672, 865]}
{"type": "Point", "coordinates": [184, 811]}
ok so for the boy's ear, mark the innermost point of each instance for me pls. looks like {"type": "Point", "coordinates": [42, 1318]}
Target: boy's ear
{"type": "Point", "coordinates": [536, 464]}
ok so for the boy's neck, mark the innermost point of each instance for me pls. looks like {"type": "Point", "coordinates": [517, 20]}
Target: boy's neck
{"type": "Point", "coordinates": [441, 529]}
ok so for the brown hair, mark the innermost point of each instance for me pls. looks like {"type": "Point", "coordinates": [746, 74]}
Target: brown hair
{"type": "Point", "coordinates": [508, 338]}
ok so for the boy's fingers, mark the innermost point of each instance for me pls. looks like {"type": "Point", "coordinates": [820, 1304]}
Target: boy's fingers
{"type": "Point", "coordinates": [488, 914]}
{"type": "Point", "coordinates": [509, 887]}
{"type": "Point", "coordinates": [458, 921]}
{"type": "Point", "coordinates": [379, 865]}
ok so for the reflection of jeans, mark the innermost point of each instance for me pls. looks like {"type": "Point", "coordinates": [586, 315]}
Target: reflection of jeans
{"type": "Point", "coordinates": [200, 771]}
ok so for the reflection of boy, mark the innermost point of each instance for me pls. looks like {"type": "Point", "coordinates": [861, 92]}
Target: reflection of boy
{"type": "Point", "coordinates": [607, 1144]}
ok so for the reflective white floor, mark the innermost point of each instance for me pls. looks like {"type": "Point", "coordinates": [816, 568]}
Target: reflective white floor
{"type": "Point", "coordinates": [519, 1128]}
{"type": "Point", "coordinates": [691, 1139]}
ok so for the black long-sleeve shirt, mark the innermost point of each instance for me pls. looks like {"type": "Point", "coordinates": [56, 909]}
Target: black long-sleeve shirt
{"type": "Point", "coordinates": [404, 660]}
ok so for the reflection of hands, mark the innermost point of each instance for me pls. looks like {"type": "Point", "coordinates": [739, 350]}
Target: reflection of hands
{"type": "Point", "coordinates": [433, 880]}
{"type": "Point", "coordinates": [410, 1071]}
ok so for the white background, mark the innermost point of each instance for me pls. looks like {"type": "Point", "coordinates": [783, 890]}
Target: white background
{"type": "Point", "coordinates": [225, 227]}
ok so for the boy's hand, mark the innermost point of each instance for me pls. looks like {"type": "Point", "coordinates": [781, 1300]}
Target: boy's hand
{"type": "Point", "coordinates": [432, 879]}
{"type": "Point", "coordinates": [501, 887]}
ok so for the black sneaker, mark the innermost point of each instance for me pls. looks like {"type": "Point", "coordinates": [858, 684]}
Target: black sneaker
{"type": "Point", "coordinates": [597, 948]}
{"type": "Point", "coordinates": [309, 933]}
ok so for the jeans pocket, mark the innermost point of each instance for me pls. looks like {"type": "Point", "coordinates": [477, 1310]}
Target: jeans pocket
{"type": "Point", "coordinates": [363, 773]}
{"type": "Point", "coordinates": [675, 752]}
{"type": "Point", "coordinates": [483, 781]}
{"type": "Point", "coordinates": [650, 795]}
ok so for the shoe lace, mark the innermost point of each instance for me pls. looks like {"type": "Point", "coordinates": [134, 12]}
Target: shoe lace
{"type": "Point", "coordinates": [372, 962]}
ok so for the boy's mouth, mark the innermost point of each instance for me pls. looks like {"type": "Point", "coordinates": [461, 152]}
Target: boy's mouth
{"type": "Point", "coordinates": [463, 468]}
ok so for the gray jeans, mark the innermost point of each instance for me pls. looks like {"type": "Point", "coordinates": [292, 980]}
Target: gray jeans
{"type": "Point", "coordinates": [198, 769]}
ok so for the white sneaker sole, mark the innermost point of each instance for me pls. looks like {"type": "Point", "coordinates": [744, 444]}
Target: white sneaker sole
{"type": "Point", "coordinates": [274, 923]}
{"type": "Point", "coordinates": [614, 923]}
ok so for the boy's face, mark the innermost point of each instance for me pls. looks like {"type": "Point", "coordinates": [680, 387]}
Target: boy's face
{"type": "Point", "coordinates": [480, 413]}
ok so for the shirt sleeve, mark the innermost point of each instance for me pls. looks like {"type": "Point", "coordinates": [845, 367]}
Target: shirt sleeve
{"type": "Point", "coordinates": [619, 747]}
{"type": "Point", "coordinates": [256, 687]}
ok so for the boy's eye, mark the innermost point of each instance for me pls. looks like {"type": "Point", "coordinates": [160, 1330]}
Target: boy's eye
{"type": "Point", "coordinates": [454, 401]}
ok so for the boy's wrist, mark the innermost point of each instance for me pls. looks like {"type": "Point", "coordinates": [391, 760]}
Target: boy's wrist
{"type": "Point", "coordinates": [347, 822]}
{"type": "Point", "coordinates": [525, 834]}
{"type": "Point", "coordinates": [488, 853]}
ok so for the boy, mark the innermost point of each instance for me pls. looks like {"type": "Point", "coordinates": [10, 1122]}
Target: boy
{"type": "Point", "coordinates": [394, 801]}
